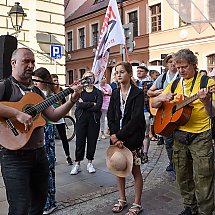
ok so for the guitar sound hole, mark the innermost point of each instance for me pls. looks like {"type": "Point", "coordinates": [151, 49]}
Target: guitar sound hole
{"type": "Point", "coordinates": [173, 109]}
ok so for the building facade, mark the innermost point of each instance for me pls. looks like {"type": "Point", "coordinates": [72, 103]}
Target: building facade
{"type": "Point", "coordinates": [158, 30]}
{"type": "Point", "coordinates": [43, 26]}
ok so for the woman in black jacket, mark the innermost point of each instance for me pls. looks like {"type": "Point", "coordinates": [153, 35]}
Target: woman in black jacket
{"type": "Point", "coordinates": [127, 128]}
{"type": "Point", "coordinates": [87, 114]}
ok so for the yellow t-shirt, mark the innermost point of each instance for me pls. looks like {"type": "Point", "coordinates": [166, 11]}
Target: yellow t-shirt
{"type": "Point", "coordinates": [199, 120]}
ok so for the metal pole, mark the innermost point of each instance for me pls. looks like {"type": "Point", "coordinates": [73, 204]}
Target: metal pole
{"type": "Point", "coordinates": [123, 48]}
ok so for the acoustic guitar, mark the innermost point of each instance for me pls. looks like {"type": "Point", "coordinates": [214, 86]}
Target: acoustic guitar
{"type": "Point", "coordinates": [173, 114]}
{"type": "Point", "coordinates": [153, 111]}
{"type": "Point", "coordinates": [12, 133]}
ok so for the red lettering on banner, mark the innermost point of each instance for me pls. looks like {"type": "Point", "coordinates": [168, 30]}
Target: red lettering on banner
{"type": "Point", "coordinates": [109, 15]}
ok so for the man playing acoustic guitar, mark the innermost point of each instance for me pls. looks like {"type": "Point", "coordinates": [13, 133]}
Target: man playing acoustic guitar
{"type": "Point", "coordinates": [25, 170]}
{"type": "Point", "coordinates": [193, 154]}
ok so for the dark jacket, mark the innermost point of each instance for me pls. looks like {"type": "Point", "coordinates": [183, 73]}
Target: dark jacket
{"type": "Point", "coordinates": [133, 123]}
{"type": "Point", "coordinates": [86, 107]}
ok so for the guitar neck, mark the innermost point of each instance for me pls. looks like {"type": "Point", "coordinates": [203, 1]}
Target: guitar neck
{"type": "Point", "coordinates": [189, 100]}
{"type": "Point", "coordinates": [50, 101]}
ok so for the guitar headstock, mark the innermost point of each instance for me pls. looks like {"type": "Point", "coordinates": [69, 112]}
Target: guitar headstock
{"type": "Point", "coordinates": [84, 81]}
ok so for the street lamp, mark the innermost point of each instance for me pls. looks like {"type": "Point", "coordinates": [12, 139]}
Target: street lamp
{"type": "Point", "coordinates": [17, 16]}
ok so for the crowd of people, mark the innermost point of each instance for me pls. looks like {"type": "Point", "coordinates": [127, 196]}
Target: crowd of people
{"type": "Point", "coordinates": [128, 105]}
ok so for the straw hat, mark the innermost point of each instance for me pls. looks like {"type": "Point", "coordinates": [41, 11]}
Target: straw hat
{"type": "Point", "coordinates": [119, 161]}
{"type": "Point", "coordinates": [212, 73]}
{"type": "Point", "coordinates": [167, 58]}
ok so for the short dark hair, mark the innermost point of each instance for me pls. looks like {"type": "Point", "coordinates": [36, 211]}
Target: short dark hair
{"type": "Point", "coordinates": [152, 72]}
{"type": "Point", "coordinates": [143, 67]}
{"type": "Point", "coordinates": [204, 71]}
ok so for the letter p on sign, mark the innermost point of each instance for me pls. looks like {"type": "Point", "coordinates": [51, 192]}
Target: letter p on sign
{"type": "Point", "coordinates": [55, 51]}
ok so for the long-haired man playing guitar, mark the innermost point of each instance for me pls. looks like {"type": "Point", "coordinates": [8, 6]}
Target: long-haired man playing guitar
{"type": "Point", "coordinates": [193, 154]}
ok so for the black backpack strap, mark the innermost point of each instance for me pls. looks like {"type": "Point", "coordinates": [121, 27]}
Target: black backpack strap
{"type": "Point", "coordinates": [8, 90]}
{"type": "Point", "coordinates": [174, 85]}
{"type": "Point", "coordinates": [204, 81]}
{"type": "Point", "coordinates": [163, 80]}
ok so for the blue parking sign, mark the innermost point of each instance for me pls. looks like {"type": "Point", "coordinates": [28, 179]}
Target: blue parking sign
{"type": "Point", "coordinates": [55, 51]}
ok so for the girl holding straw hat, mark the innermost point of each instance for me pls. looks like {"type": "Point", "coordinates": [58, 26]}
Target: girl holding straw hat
{"type": "Point", "coordinates": [127, 129]}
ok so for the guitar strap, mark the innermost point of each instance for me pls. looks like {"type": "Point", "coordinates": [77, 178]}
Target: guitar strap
{"type": "Point", "coordinates": [9, 89]}
{"type": "Point", "coordinates": [203, 83]}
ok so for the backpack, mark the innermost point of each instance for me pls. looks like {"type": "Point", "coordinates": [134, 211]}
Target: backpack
{"type": "Point", "coordinates": [203, 84]}
{"type": "Point", "coordinates": [164, 79]}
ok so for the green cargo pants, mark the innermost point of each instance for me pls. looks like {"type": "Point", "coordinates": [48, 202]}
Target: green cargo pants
{"type": "Point", "coordinates": [194, 165]}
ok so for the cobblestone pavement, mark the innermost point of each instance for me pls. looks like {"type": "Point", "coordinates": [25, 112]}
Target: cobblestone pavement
{"type": "Point", "coordinates": [160, 193]}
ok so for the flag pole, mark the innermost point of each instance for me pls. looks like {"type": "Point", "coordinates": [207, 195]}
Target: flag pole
{"type": "Point", "coordinates": [126, 52]}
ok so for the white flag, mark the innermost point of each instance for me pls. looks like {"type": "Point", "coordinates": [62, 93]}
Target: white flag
{"type": "Point", "coordinates": [112, 34]}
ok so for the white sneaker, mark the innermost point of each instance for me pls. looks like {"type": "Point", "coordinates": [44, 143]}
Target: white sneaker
{"type": "Point", "coordinates": [75, 170]}
{"type": "Point", "coordinates": [90, 168]}
{"type": "Point", "coordinates": [50, 210]}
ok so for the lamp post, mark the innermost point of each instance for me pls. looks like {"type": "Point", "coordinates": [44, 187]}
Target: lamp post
{"type": "Point", "coordinates": [17, 16]}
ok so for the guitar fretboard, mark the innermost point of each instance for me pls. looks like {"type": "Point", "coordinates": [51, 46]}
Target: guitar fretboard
{"type": "Point", "coordinates": [49, 101]}
{"type": "Point", "coordinates": [186, 102]}
{"type": "Point", "coordinates": [189, 100]}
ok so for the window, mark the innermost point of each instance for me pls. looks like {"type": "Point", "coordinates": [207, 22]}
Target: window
{"type": "Point", "coordinates": [211, 62]}
{"type": "Point", "coordinates": [81, 38]}
{"type": "Point", "coordinates": [82, 71]}
{"type": "Point", "coordinates": [69, 35]}
{"type": "Point", "coordinates": [95, 34]}
{"type": "Point", "coordinates": [134, 19]}
{"type": "Point", "coordinates": [156, 18]}
{"type": "Point", "coordinates": [211, 10]}
{"type": "Point", "coordinates": [71, 79]}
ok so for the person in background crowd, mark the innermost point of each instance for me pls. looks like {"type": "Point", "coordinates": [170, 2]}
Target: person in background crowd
{"type": "Point", "coordinates": [193, 152]}
{"type": "Point", "coordinates": [114, 83]}
{"type": "Point", "coordinates": [42, 74]}
{"type": "Point", "coordinates": [212, 74]}
{"type": "Point", "coordinates": [203, 72]}
{"type": "Point", "coordinates": [106, 92]}
{"type": "Point", "coordinates": [127, 128]}
{"type": "Point", "coordinates": [87, 114]}
{"type": "Point", "coordinates": [60, 125]}
{"type": "Point", "coordinates": [154, 75]}
{"type": "Point", "coordinates": [143, 83]}
{"type": "Point", "coordinates": [25, 171]}
{"type": "Point", "coordinates": [156, 89]}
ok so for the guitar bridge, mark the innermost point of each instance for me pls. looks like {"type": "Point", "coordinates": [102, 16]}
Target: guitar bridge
{"type": "Point", "coordinates": [12, 128]}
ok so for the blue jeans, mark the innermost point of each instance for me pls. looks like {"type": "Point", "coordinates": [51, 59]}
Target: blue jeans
{"type": "Point", "coordinates": [25, 174]}
{"type": "Point", "coordinates": [50, 151]}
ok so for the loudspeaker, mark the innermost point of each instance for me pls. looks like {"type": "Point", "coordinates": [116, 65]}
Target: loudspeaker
{"type": "Point", "coordinates": [7, 45]}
